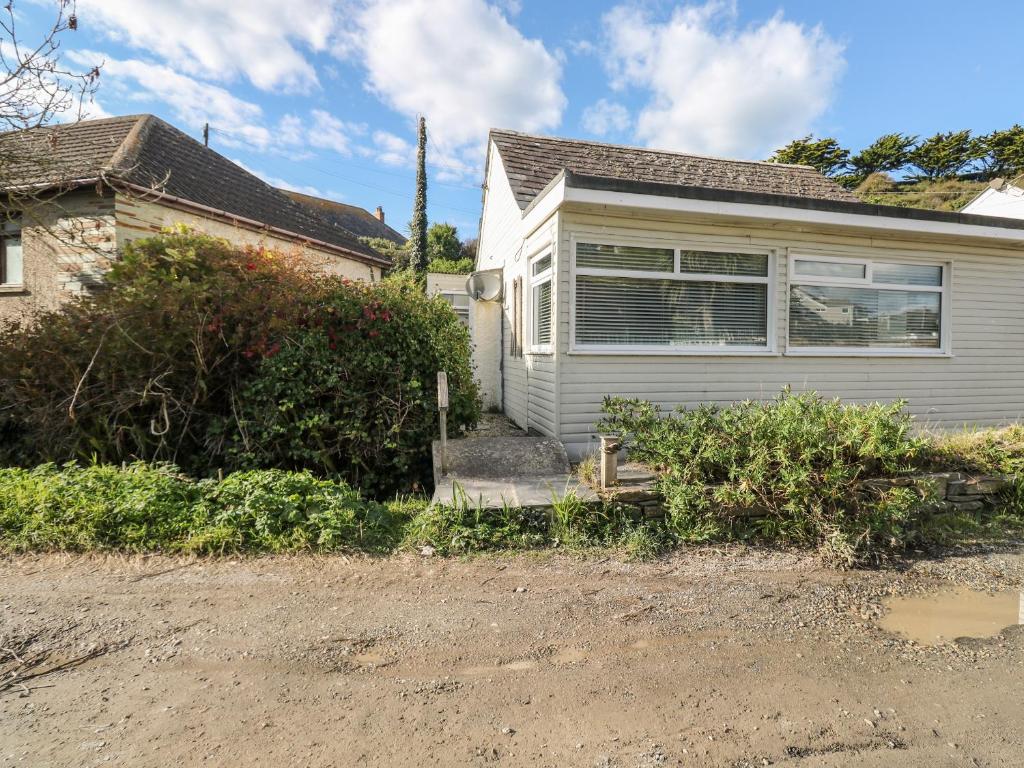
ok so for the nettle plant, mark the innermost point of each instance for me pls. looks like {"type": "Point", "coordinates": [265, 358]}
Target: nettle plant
{"type": "Point", "coordinates": [789, 469]}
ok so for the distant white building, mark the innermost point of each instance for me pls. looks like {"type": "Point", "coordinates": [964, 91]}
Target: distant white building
{"type": "Point", "coordinates": [1000, 199]}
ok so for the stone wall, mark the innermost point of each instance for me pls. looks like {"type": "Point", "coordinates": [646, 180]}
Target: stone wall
{"type": "Point", "coordinates": [67, 245]}
{"type": "Point", "coordinates": [952, 491]}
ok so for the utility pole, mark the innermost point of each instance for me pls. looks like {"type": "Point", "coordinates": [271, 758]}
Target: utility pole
{"type": "Point", "coordinates": [206, 135]}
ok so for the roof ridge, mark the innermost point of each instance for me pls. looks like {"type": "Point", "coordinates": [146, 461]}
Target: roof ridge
{"type": "Point", "coordinates": [634, 148]}
{"type": "Point", "coordinates": [127, 152]}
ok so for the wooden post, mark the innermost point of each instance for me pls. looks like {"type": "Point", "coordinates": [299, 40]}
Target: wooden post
{"type": "Point", "coordinates": [442, 407]}
{"type": "Point", "coordinates": [610, 446]}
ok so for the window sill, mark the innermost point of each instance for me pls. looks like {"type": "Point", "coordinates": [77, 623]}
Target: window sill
{"type": "Point", "coordinates": [13, 289]}
{"type": "Point", "coordinates": [542, 350]}
{"type": "Point", "coordinates": [662, 352]}
{"type": "Point", "coordinates": [937, 354]}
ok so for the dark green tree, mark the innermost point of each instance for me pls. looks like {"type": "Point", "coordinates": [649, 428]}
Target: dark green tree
{"type": "Point", "coordinates": [885, 154]}
{"type": "Point", "coordinates": [945, 155]}
{"type": "Point", "coordinates": [399, 254]}
{"type": "Point", "coordinates": [443, 242]}
{"type": "Point", "coordinates": [1004, 152]}
{"type": "Point", "coordinates": [418, 235]}
{"type": "Point", "coordinates": [826, 155]}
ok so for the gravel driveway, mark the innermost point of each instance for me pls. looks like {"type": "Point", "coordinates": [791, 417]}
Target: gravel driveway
{"type": "Point", "coordinates": [724, 658]}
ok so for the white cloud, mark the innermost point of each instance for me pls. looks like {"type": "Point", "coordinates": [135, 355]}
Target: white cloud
{"type": "Point", "coordinates": [328, 132]}
{"type": "Point", "coordinates": [393, 150]}
{"type": "Point", "coordinates": [264, 41]}
{"type": "Point", "coordinates": [461, 64]}
{"type": "Point", "coordinates": [717, 88]}
{"type": "Point", "coordinates": [604, 117]}
{"type": "Point", "coordinates": [234, 122]}
{"type": "Point", "coordinates": [192, 102]}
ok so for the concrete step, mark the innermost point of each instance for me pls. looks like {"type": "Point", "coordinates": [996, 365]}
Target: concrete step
{"type": "Point", "coordinates": [516, 492]}
{"type": "Point", "coordinates": [501, 457]}
{"type": "Point", "coordinates": [493, 472]}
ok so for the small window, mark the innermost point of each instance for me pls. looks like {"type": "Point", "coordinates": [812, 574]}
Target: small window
{"type": "Point", "coordinates": [866, 307]}
{"type": "Point", "coordinates": [625, 257]}
{"type": "Point", "coordinates": [834, 269]}
{"type": "Point", "coordinates": [11, 259]}
{"type": "Point", "coordinates": [460, 303]}
{"type": "Point", "coordinates": [540, 303]}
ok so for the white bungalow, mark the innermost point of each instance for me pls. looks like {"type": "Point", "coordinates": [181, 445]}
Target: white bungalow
{"type": "Point", "coordinates": [685, 279]}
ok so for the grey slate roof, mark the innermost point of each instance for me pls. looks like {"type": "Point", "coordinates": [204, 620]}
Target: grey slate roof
{"type": "Point", "coordinates": [531, 162]}
{"type": "Point", "coordinates": [356, 220]}
{"type": "Point", "coordinates": [146, 151]}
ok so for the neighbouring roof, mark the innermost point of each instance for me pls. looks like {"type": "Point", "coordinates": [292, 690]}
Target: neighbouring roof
{"type": "Point", "coordinates": [356, 220]}
{"type": "Point", "coordinates": [144, 151]}
{"type": "Point", "coordinates": [531, 162]}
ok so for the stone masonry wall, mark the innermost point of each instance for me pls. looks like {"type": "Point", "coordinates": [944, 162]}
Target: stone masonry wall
{"type": "Point", "coordinates": [955, 491]}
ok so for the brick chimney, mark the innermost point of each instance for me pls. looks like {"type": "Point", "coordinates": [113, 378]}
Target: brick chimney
{"type": "Point", "coordinates": [379, 213]}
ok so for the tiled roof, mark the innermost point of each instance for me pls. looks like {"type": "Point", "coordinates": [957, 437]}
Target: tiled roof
{"type": "Point", "coordinates": [531, 162]}
{"type": "Point", "coordinates": [356, 220]}
{"type": "Point", "coordinates": [144, 150]}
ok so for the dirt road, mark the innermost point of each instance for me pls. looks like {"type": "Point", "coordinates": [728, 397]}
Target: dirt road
{"type": "Point", "coordinates": [726, 659]}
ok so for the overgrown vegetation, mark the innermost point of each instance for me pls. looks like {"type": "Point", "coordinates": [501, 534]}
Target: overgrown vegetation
{"type": "Point", "coordinates": [215, 357]}
{"type": "Point", "coordinates": [464, 527]}
{"type": "Point", "coordinates": [943, 195]}
{"type": "Point", "coordinates": [790, 470]}
{"type": "Point", "coordinates": [142, 507]}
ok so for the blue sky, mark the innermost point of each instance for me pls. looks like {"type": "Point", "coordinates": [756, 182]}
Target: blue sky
{"type": "Point", "coordinates": [322, 95]}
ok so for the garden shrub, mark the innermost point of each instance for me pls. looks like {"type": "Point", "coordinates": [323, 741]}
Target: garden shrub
{"type": "Point", "coordinates": [795, 462]}
{"type": "Point", "coordinates": [213, 356]}
{"type": "Point", "coordinates": [142, 507]}
{"type": "Point", "coordinates": [354, 392]}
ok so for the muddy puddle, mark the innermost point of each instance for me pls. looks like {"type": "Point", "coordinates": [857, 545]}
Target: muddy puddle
{"type": "Point", "coordinates": [944, 616]}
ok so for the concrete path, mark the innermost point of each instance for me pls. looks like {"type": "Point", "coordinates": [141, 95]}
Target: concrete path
{"type": "Point", "coordinates": [492, 472]}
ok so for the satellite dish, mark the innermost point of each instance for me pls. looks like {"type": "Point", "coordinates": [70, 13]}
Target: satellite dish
{"type": "Point", "coordinates": [485, 285]}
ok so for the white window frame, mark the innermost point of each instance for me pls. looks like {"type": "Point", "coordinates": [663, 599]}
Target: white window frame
{"type": "Point", "coordinates": [10, 228]}
{"type": "Point", "coordinates": [533, 282]}
{"type": "Point", "coordinates": [945, 309]}
{"type": "Point", "coordinates": [770, 349]}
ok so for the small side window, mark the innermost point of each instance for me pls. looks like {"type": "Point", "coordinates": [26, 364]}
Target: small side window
{"type": "Point", "coordinates": [540, 303]}
{"type": "Point", "coordinates": [11, 258]}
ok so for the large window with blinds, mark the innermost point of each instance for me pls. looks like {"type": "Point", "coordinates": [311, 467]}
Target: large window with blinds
{"type": "Point", "coordinates": [540, 303]}
{"type": "Point", "coordinates": [863, 306]}
{"type": "Point", "coordinates": [631, 298]}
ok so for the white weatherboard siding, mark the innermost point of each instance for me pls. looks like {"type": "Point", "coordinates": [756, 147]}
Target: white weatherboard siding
{"type": "Point", "coordinates": [528, 382]}
{"type": "Point", "coordinates": [500, 245]}
{"type": "Point", "coordinates": [980, 382]}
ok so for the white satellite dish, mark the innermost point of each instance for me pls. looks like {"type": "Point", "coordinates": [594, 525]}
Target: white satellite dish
{"type": "Point", "coordinates": [485, 285]}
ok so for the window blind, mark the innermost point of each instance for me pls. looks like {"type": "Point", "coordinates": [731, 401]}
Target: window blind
{"type": "Point", "coordinates": [702, 298]}
{"type": "Point", "coordinates": [542, 313]}
{"type": "Point", "coordinates": [628, 311]}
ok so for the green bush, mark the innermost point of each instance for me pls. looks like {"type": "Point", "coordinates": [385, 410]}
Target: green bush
{"type": "Point", "coordinates": [354, 393]}
{"type": "Point", "coordinates": [210, 356]}
{"type": "Point", "coordinates": [143, 507]}
{"type": "Point", "coordinates": [787, 469]}
{"type": "Point", "coordinates": [451, 266]}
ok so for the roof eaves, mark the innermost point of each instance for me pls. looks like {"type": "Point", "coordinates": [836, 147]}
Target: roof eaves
{"type": "Point", "coordinates": [607, 184]}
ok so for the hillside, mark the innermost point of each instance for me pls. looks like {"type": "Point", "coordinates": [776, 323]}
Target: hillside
{"type": "Point", "coordinates": [945, 195]}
